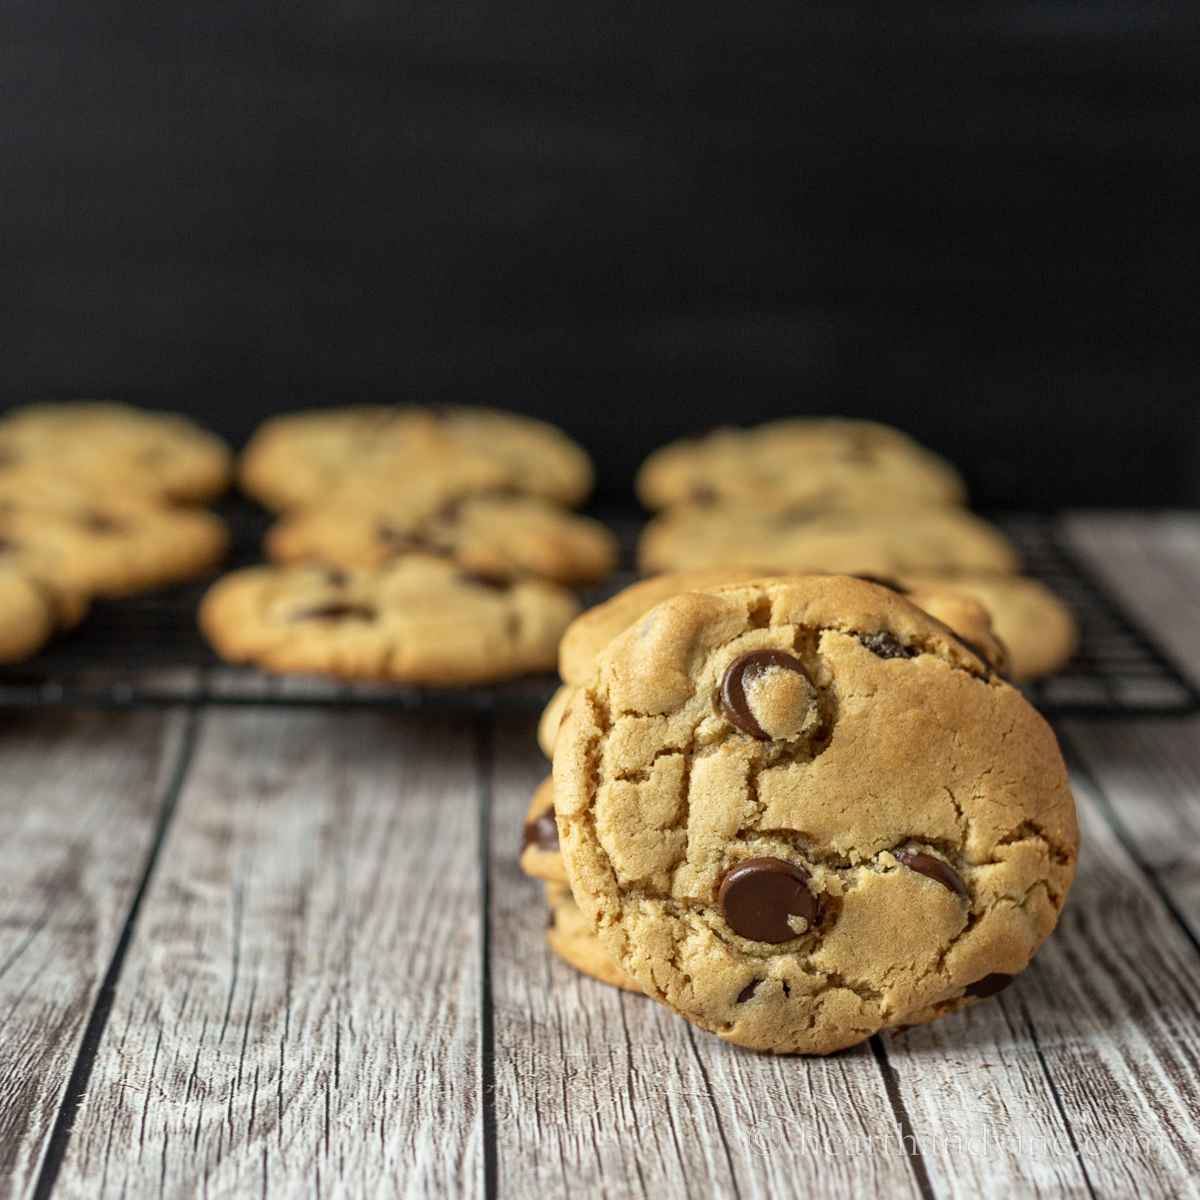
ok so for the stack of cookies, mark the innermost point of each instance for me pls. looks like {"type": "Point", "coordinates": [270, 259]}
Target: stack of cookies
{"type": "Point", "coordinates": [99, 499]}
{"type": "Point", "coordinates": [850, 498]}
{"type": "Point", "coordinates": [416, 545]}
{"type": "Point", "coordinates": [796, 810]}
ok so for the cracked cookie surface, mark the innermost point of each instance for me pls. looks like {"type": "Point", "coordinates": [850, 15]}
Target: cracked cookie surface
{"type": "Point", "coordinates": [915, 817]}
{"type": "Point", "coordinates": [417, 620]}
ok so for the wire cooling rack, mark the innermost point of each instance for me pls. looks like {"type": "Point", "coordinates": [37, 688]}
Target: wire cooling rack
{"type": "Point", "coordinates": [147, 649]}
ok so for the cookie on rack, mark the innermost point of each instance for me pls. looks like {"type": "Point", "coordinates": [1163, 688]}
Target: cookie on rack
{"type": "Point", "coordinates": [115, 448]}
{"type": "Point", "coordinates": [1037, 628]}
{"type": "Point", "coordinates": [495, 535]}
{"type": "Point", "coordinates": [886, 544]}
{"type": "Point", "coordinates": [817, 463]}
{"type": "Point", "coordinates": [419, 619]}
{"type": "Point", "coordinates": [310, 458]}
{"type": "Point", "coordinates": [27, 616]}
{"type": "Point", "coordinates": [799, 811]}
{"type": "Point", "coordinates": [105, 546]}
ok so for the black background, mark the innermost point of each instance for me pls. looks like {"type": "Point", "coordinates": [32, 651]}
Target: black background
{"type": "Point", "coordinates": [975, 221]}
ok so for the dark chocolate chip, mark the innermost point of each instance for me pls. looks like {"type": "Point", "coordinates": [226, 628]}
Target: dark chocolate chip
{"type": "Point", "coordinates": [485, 581]}
{"type": "Point", "coordinates": [748, 991]}
{"type": "Point", "coordinates": [759, 895]}
{"type": "Point", "coordinates": [542, 831]}
{"type": "Point", "coordinates": [739, 673]}
{"type": "Point", "coordinates": [7, 544]}
{"type": "Point", "coordinates": [100, 523]}
{"type": "Point", "coordinates": [551, 920]}
{"type": "Point", "coordinates": [337, 578]}
{"type": "Point", "coordinates": [989, 985]}
{"type": "Point", "coordinates": [886, 645]}
{"type": "Point", "coordinates": [885, 582]}
{"type": "Point", "coordinates": [704, 495]}
{"type": "Point", "coordinates": [934, 868]}
{"type": "Point", "coordinates": [336, 611]}
{"type": "Point", "coordinates": [397, 539]}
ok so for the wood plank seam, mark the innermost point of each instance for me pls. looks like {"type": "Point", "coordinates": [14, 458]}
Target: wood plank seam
{"type": "Point", "coordinates": [916, 1159]}
{"type": "Point", "coordinates": [484, 734]}
{"type": "Point", "coordinates": [77, 1084]}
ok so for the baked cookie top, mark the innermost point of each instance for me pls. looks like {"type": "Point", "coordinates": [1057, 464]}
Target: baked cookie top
{"type": "Point", "coordinates": [827, 463]}
{"type": "Point", "coordinates": [109, 546]}
{"type": "Point", "coordinates": [798, 811]}
{"type": "Point", "coordinates": [498, 535]}
{"type": "Point", "coordinates": [358, 454]}
{"type": "Point", "coordinates": [419, 619]}
{"type": "Point", "coordinates": [115, 448]}
{"type": "Point", "coordinates": [886, 544]}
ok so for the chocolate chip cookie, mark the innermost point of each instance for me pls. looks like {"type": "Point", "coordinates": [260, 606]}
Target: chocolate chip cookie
{"type": "Point", "coordinates": [361, 454]}
{"type": "Point", "coordinates": [886, 544]}
{"type": "Point", "coordinates": [418, 619]}
{"type": "Point", "coordinates": [569, 936]}
{"type": "Point", "coordinates": [106, 546]}
{"type": "Point", "coordinates": [817, 463]}
{"type": "Point", "coordinates": [115, 448]}
{"type": "Point", "coordinates": [799, 811]}
{"type": "Point", "coordinates": [501, 536]}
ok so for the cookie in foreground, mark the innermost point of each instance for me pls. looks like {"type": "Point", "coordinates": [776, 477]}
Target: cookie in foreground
{"type": "Point", "coordinates": [417, 620]}
{"type": "Point", "coordinates": [799, 811]}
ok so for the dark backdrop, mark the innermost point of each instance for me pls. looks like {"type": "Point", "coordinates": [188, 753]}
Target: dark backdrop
{"type": "Point", "coordinates": [976, 221]}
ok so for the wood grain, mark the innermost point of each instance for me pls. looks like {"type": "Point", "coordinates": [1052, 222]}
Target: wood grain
{"type": "Point", "coordinates": [80, 798]}
{"type": "Point", "coordinates": [602, 1093]}
{"type": "Point", "coordinates": [299, 1014]}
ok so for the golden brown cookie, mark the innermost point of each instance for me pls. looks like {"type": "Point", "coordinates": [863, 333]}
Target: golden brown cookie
{"type": "Point", "coordinates": [117, 448]}
{"type": "Point", "coordinates": [109, 546]}
{"type": "Point", "coordinates": [799, 811]}
{"type": "Point", "coordinates": [27, 616]}
{"type": "Point", "coordinates": [419, 619]}
{"type": "Point", "coordinates": [881, 544]}
{"type": "Point", "coordinates": [818, 463]}
{"type": "Point", "coordinates": [501, 536]}
{"type": "Point", "coordinates": [570, 938]}
{"type": "Point", "coordinates": [304, 459]}
{"type": "Point", "coordinates": [1035, 626]}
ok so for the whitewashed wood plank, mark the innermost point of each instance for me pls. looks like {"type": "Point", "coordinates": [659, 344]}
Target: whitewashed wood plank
{"type": "Point", "coordinates": [81, 794]}
{"type": "Point", "coordinates": [299, 1012]}
{"type": "Point", "coordinates": [602, 1093]}
{"type": "Point", "coordinates": [1150, 561]}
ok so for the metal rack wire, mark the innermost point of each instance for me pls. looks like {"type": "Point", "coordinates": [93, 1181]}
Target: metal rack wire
{"type": "Point", "coordinates": [148, 650]}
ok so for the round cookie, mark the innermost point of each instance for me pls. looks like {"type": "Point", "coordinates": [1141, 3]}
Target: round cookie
{"type": "Point", "coordinates": [360, 454]}
{"type": "Point", "coordinates": [110, 547]}
{"type": "Point", "coordinates": [496, 535]}
{"type": "Point", "coordinates": [569, 937]}
{"type": "Point", "coordinates": [1036, 627]}
{"type": "Point", "coordinates": [419, 619]}
{"type": "Point", "coordinates": [795, 855]}
{"type": "Point", "coordinates": [819, 463]}
{"type": "Point", "coordinates": [116, 448]}
{"type": "Point", "coordinates": [887, 544]}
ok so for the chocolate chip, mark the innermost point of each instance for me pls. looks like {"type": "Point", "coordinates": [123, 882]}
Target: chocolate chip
{"type": "Point", "coordinates": [740, 672]}
{"type": "Point", "coordinates": [704, 495]}
{"type": "Point", "coordinates": [398, 540]}
{"type": "Point", "coordinates": [989, 985]}
{"type": "Point", "coordinates": [485, 581]}
{"type": "Point", "coordinates": [759, 895]}
{"type": "Point", "coordinates": [7, 544]}
{"type": "Point", "coordinates": [885, 582]}
{"type": "Point", "coordinates": [335, 611]}
{"type": "Point", "coordinates": [542, 831]}
{"type": "Point", "coordinates": [100, 523]}
{"type": "Point", "coordinates": [748, 991]}
{"type": "Point", "coordinates": [934, 868]}
{"type": "Point", "coordinates": [337, 578]}
{"type": "Point", "coordinates": [886, 645]}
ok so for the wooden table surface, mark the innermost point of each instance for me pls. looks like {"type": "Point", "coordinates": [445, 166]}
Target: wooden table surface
{"type": "Point", "coordinates": [288, 952]}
